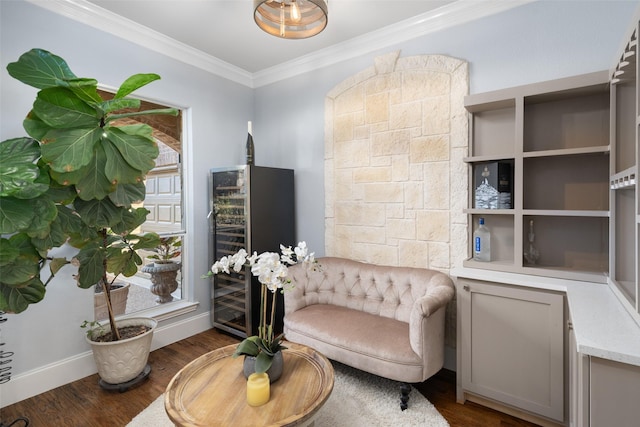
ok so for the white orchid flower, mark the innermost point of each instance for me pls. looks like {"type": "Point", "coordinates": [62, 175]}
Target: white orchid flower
{"type": "Point", "coordinates": [238, 260]}
{"type": "Point", "coordinates": [271, 270]}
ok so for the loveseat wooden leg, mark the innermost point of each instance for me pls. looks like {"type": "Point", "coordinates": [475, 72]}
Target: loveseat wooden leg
{"type": "Point", "coordinates": [405, 389]}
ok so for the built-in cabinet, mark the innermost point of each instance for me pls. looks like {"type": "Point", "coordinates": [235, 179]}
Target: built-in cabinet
{"type": "Point", "coordinates": [252, 208]}
{"type": "Point", "coordinates": [572, 231]}
{"type": "Point", "coordinates": [513, 340]}
{"type": "Point", "coordinates": [613, 393]}
{"type": "Point", "coordinates": [603, 392]}
{"type": "Point", "coordinates": [556, 136]}
{"type": "Point", "coordinates": [625, 229]}
{"type": "Point", "coordinates": [578, 383]}
{"type": "Point", "coordinates": [511, 348]}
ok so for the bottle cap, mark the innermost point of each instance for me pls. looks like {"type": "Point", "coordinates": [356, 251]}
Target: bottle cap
{"type": "Point", "coordinates": [481, 221]}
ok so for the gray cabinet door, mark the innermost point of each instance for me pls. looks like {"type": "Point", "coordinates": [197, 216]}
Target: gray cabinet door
{"type": "Point", "coordinates": [512, 346]}
{"type": "Point", "coordinates": [614, 390]}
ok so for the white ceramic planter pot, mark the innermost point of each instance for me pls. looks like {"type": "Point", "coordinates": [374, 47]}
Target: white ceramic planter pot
{"type": "Point", "coordinates": [122, 361]}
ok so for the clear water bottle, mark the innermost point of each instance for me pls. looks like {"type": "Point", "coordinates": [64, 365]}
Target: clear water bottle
{"type": "Point", "coordinates": [482, 242]}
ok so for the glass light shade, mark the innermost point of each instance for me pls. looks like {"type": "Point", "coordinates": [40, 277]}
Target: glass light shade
{"type": "Point", "coordinates": [275, 17]}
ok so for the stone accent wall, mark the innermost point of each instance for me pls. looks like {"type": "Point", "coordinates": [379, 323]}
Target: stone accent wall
{"type": "Point", "coordinates": [395, 181]}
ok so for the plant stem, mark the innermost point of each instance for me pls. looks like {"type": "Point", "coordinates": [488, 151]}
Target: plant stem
{"type": "Point", "coordinates": [106, 285]}
{"type": "Point", "coordinates": [263, 310]}
{"type": "Point", "coordinates": [273, 315]}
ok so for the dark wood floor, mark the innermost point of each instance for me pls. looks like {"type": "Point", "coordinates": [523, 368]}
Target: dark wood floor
{"type": "Point", "coordinates": [84, 404]}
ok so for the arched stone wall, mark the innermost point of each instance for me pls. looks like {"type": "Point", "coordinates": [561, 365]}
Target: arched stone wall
{"type": "Point", "coordinates": [395, 181]}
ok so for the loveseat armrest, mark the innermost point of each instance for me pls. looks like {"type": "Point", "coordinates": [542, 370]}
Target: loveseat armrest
{"type": "Point", "coordinates": [441, 290]}
{"type": "Point", "coordinates": [427, 315]}
{"type": "Point", "coordinates": [303, 290]}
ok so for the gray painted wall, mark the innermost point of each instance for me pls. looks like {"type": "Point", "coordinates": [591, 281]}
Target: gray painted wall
{"type": "Point", "coordinates": [536, 42]}
{"type": "Point", "coordinates": [219, 111]}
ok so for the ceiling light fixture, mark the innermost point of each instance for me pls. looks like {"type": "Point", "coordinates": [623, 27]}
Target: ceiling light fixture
{"type": "Point", "coordinates": [291, 19]}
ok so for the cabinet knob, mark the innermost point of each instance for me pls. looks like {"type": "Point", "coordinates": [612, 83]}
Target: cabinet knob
{"type": "Point", "coordinates": [466, 288]}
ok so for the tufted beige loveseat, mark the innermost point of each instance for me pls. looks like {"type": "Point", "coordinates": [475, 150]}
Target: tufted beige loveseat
{"type": "Point", "coordinates": [388, 321]}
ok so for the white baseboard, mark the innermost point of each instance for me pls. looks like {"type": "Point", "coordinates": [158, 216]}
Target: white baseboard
{"type": "Point", "coordinates": [45, 378]}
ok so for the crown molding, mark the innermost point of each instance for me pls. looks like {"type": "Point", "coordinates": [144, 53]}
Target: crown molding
{"type": "Point", "coordinates": [448, 16]}
{"type": "Point", "coordinates": [102, 19]}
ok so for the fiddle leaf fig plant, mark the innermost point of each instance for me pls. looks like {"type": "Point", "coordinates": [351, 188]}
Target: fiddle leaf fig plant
{"type": "Point", "coordinates": [76, 179]}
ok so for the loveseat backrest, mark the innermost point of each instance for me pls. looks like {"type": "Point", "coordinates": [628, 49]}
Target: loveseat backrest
{"type": "Point", "coordinates": [382, 290]}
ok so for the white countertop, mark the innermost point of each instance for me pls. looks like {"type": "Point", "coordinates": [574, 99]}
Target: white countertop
{"type": "Point", "coordinates": [602, 326]}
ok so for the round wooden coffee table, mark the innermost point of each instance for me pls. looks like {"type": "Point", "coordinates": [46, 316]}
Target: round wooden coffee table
{"type": "Point", "coordinates": [211, 390]}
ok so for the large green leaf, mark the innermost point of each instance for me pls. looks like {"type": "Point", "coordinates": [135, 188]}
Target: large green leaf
{"type": "Point", "coordinates": [135, 145]}
{"type": "Point", "coordinates": [130, 220]}
{"type": "Point", "coordinates": [127, 194]}
{"type": "Point", "coordinates": [24, 244]}
{"type": "Point", "coordinates": [55, 237]}
{"type": "Point", "coordinates": [99, 213]}
{"type": "Point", "coordinates": [70, 150]}
{"type": "Point", "coordinates": [35, 189]}
{"type": "Point", "coordinates": [93, 183]}
{"type": "Point", "coordinates": [65, 179]}
{"type": "Point", "coordinates": [35, 127]}
{"type": "Point", "coordinates": [21, 270]}
{"type": "Point", "coordinates": [62, 194]}
{"type": "Point", "coordinates": [15, 214]}
{"type": "Point", "coordinates": [68, 220]}
{"type": "Point", "coordinates": [8, 252]}
{"type": "Point", "coordinates": [119, 104]}
{"type": "Point", "coordinates": [59, 108]}
{"type": "Point", "coordinates": [116, 168]}
{"type": "Point", "coordinates": [91, 268]}
{"type": "Point", "coordinates": [45, 212]}
{"type": "Point", "coordinates": [41, 69]}
{"type": "Point", "coordinates": [147, 241]}
{"type": "Point", "coordinates": [121, 262]}
{"type": "Point", "coordinates": [17, 299]}
{"type": "Point", "coordinates": [135, 82]}
{"type": "Point", "coordinates": [85, 89]}
{"type": "Point", "coordinates": [17, 168]}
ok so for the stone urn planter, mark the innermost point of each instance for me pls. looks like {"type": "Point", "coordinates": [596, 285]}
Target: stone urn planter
{"type": "Point", "coordinates": [163, 278]}
{"type": "Point", "coordinates": [119, 362]}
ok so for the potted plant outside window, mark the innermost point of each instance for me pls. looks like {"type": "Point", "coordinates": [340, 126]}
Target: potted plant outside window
{"type": "Point", "coordinates": [164, 269]}
{"type": "Point", "coordinates": [73, 180]}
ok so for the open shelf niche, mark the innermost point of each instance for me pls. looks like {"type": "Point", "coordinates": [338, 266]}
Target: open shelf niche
{"type": "Point", "coordinates": [556, 135]}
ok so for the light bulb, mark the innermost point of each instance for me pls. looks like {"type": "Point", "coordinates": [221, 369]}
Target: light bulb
{"type": "Point", "coordinates": [295, 11]}
{"type": "Point", "coordinates": [282, 26]}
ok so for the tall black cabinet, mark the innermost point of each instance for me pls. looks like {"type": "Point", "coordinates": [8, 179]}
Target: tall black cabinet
{"type": "Point", "coordinates": [252, 207]}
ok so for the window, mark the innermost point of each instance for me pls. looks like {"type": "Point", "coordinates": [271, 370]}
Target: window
{"type": "Point", "coordinates": [146, 289]}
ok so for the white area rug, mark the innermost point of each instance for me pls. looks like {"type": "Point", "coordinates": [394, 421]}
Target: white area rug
{"type": "Point", "coordinates": [358, 400]}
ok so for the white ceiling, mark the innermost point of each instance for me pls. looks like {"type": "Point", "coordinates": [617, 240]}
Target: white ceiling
{"type": "Point", "coordinates": [220, 36]}
{"type": "Point", "coordinates": [225, 28]}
